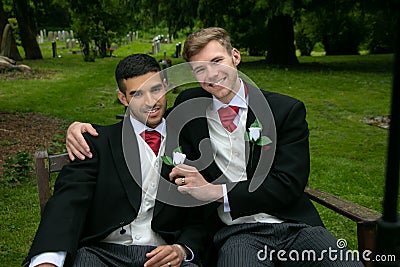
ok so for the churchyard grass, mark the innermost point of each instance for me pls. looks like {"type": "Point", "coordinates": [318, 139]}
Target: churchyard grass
{"type": "Point", "coordinates": [347, 155]}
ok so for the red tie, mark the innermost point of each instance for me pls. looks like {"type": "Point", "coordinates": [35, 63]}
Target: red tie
{"type": "Point", "coordinates": [153, 139]}
{"type": "Point", "coordinates": [227, 115]}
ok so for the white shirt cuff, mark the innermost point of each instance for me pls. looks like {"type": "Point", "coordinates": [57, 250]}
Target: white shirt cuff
{"type": "Point", "coordinates": [227, 208]}
{"type": "Point", "coordinates": [191, 256]}
{"type": "Point", "coordinates": [56, 258]}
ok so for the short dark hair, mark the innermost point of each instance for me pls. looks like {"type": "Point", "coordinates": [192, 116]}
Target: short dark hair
{"type": "Point", "coordinates": [133, 66]}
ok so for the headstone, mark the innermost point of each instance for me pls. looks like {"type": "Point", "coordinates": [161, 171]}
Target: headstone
{"type": "Point", "coordinates": [153, 48]}
{"type": "Point", "coordinates": [68, 44]}
{"type": "Point", "coordinates": [158, 46]}
{"type": "Point", "coordinates": [71, 34]}
{"type": "Point", "coordinates": [50, 36]}
{"type": "Point", "coordinates": [8, 47]}
{"type": "Point", "coordinates": [41, 37]}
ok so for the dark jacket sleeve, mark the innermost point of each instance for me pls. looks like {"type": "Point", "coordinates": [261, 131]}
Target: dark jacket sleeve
{"type": "Point", "coordinates": [64, 215]}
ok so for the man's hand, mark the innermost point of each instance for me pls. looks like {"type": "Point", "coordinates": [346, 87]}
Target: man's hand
{"type": "Point", "coordinates": [76, 144]}
{"type": "Point", "coordinates": [164, 256]}
{"type": "Point", "coordinates": [190, 181]}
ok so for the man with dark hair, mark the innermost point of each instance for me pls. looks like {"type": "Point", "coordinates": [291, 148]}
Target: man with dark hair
{"type": "Point", "coordinates": [104, 210]}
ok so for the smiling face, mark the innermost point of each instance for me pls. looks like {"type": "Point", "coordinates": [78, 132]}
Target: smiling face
{"type": "Point", "coordinates": [145, 96]}
{"type": "Point", "coordinates": [215, 69]}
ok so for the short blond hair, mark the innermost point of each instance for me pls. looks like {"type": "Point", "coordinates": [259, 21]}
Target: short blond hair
{"type": "Point", "coordinates": [196, 41]}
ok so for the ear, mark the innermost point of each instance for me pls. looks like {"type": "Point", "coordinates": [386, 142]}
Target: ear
{"type": "Point", "coordinates": [236, 56]}
{"type": "Point", "coordinates": [122, 99]}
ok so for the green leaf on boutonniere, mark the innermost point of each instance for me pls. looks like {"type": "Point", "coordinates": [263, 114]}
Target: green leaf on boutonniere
{"type": "Point", "coordinates": [178, 149]}
{"type": "Point", "coordinates": [256, 124]}
{"type": "Point", "coordinates": [170, 161]}
{"type": "Point", "coordinates": [263, 141]}
{"type": "Point", "coordinates": [167, 160]}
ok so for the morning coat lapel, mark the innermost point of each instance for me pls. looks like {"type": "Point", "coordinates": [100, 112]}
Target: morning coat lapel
{"type": "Point", "coordinates": [125, 152]}
{"type": "Point", "coordinates": [258, 107]}
{"type": "Point", "coordinates": [198, 131]}
{"type": "Point", "coordinates": [194, 136]}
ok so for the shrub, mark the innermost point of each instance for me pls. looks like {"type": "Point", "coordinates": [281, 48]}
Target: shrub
{"type": "Point", "coordinates": [18, 168]}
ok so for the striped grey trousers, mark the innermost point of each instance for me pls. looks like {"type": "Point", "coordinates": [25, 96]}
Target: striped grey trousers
{"type": "Point", "coordinates": [280, 244]}
{"type": "Point", "coordinates": [107, 255]}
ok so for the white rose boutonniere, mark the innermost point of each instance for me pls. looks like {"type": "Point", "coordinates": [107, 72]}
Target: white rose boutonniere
{"type": "Point", "coordinates": [177, 157]}
{"type": "Point", "coordinates": [254, 135]}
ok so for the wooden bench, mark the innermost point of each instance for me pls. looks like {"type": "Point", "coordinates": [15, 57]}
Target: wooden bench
{"type": "Point", "coordinates": [365, 218]}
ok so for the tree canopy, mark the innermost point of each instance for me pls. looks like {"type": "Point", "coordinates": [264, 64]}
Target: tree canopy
{"type": "Point", "coordinates": [274, 28]}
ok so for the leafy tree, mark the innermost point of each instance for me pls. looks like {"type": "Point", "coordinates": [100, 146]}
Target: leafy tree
{"type": "Point", "coordinates": [306, 32]}
{"type": "Point", "coordinates": [380, 23]}
{"type": "Point", "coordinates": [171, 12]}
{"type": "Point", "coordinates": [213, 13]}
{"type": "Point", "coordinates": [248, 30]}
{"type": "Point", "coordinates": [338, 25]}
{"type": "Point", "coordinates": [51, 14]}
{"type": "Point", "coordinates": [99, 22]}
{"type": "Point", "coordinates": [272, 30]}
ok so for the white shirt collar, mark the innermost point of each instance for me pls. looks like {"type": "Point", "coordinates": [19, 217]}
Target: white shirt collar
{"type": "Point", "coordinates": [140, 127]}
{"type": "Point", "coordinates": [238, 100]}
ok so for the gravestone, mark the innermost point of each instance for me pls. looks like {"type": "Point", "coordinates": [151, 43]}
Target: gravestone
{"type": "Point", "coordinates": [41, 37]}
{"type": "Point", "coordinates": [50, 36]}
{"type": "Point", "coordinates": [8, 47]}
{"type": "Point", "coordinates": [68, 44]}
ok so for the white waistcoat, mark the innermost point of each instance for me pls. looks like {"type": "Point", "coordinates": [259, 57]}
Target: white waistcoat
{"type": "Point", "coordinates": [230, 158]}
{"type": "Point", "coordinates": [139, 231]}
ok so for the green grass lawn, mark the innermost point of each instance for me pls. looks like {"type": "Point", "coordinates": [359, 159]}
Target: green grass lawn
{"type": "Point", "coordinates": [347, 155]}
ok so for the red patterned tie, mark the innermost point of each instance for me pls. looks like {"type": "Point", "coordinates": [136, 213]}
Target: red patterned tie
{"type": "Point", "coordinates": [153, 139]}
{"type": "Point", "coordinates": [227, 115]}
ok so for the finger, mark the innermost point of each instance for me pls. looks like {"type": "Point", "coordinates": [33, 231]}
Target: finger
{"type": "Point", "coordinates": [89, 128]}
{"type": "Point", "coordinates": [74, 135]}
{"type": "Point", "coordinates": [153, 252]}
{"type": "Point", "coordinates": [70, 154]}
{"type": "Point", "coordinates": [180, 170]}
{"type": "Point", "coordinates": [73, 151]}
{"type": "Point", "coordinates": [182, 181]}
{"type": "Point", "coordinates": [160, 257]}
{"type": "Point", "coordinates": [81, 143]}
{"type": "Point", "coordinates": [184, 190]}
{"type": "Point", "coordinates": [78, 145]}
{"type": "Point", "coordinates": [74, 147]}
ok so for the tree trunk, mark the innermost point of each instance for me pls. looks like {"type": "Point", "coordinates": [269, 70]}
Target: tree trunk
{"type": "Point", "coordinates": [3, 19]}
{"type": "Point", "coordinates": [26, 28]}
{"type": "Point", "coordinates": [280, 37]}
{"type": "Point", "coordinates": [8, 46]}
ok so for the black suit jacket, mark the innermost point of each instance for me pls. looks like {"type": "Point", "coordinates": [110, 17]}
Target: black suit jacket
{"type": "Point", "coordinates": [280, 186]}
{"type": "Point", "coordinates": [96, 196]}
